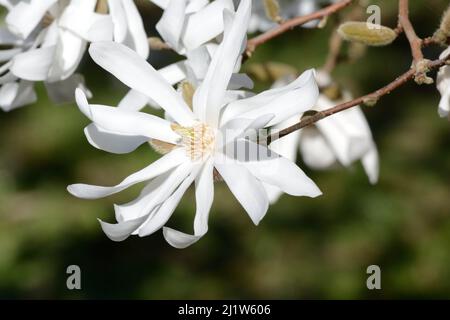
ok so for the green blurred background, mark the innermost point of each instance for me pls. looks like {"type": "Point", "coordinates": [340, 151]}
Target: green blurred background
{"type": "Point", "coordinates": [304, 248]}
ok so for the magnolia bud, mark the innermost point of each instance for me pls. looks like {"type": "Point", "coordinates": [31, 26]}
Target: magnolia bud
{"type": "Point", "coordinates": [367, 33]}
{"type": "Point", "coordinates": [187, 92]}
{"type": "Point", "coordinates": [272, 8]}
{"type": "Point", "coordinates": [102, 7]}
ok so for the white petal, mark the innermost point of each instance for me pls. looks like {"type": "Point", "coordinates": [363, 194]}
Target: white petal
{"type": "Point", "coordinates": [135, 72]}
{"type": "Point", "coordinates": [206, 24]}
{"type": "Point", "coordinates": [111, 142]}
{"type": "Point", "coordinates": [121, 231]}
{"type": "Point", "coordinates": [16, 94]}
{"type": "Point", "coordinates": [274, 169]}
{"type": "Point", "coordinates": [240, 127]}
{"type": "Point", "coordinates": [315, 150]}
{"type": "Point", "coordinates": [245, 187]}
{"type": "Point", "coordinates": [33, 65]}
{"type": "Point", "coordinates": [133, 101]}
{"type": "Point", "coordinates": [163, 214]}
{"type": "Point", "coordinates": [119, 20]}
{"type": "Point", "coordinates": [208, 97]}
{"type": "Point", "coordinates": [204, 195]}
{"type": "Point", "coordinates": [131, 123]}
{"type": "Point", "coordinates": [171, 24]}
{"type": "Point", "coordinates": [95, 27]}
{"type": "Point", "coordinates": [293, 99]}
{"type": "Point", "coordinates": [165, 163]}
{"type": "Point", "coordinates": [26, 15]}
{"type": "Point", "coordinates": [371, 165]}
{"type": "Point", "coordinates": [136, 29]}
{"type": "Point", "coordinates": [154, 194]}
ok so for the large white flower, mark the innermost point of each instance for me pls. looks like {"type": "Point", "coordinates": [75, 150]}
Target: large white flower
{"type": "Point", "coordinates": [443, 85]}
{"type": "Point", "coordinates": [197, 141]}
{"type": "Point", "coordinates": [62, 30]}
{"type": "Point", "coordinates": [342, 138]}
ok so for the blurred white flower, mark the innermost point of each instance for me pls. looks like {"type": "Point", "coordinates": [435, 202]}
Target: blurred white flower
{"type": "Point", "coordinates": [342, 138]}
{"type": "Point", "coordinates": [443, 85]}
{"type": "Point", "coordinates": [198, 144]}
{"type": "Point", "coordinates": [14, 92]}
{"type": "Point", "coordinates": [288, 9]}
{"type": "Point", "coordinates": [56, 34]}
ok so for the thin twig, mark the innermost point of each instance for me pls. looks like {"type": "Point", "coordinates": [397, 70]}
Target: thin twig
{"type": "Point", "coordinates": [287, 25]}
{"type": "Point", "coordinates": [414, 41]}
{"type": "Point", "coordinates": [374, 96]}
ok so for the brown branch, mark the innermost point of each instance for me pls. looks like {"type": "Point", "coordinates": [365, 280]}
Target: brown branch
{"type": "Point", "coordinates": [414, 41]}
{"type": "Point", "coordinates": [287, 25]}
{"type": "Point", "coordinates": [372, 97]}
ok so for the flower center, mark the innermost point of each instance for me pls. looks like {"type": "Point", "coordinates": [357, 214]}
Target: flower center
{"type": "Point", "coordinates": [198, 140]}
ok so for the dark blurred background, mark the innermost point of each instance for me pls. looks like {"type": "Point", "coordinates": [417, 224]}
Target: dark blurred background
{"type": "Point", "coordinates": [304, 248]}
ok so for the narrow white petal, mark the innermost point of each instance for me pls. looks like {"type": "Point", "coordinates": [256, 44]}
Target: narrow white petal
{"type": "Point", "coordinates": [154, 193]}
{"type": "Point", "coordinates": [208, 97]}
{"type": "Point", "coordinates": [111, 142]}
{"type": "Point", "coordinates": [130, 123]}
{"type": "Point", "coordinates": [26, 15]}
{"type": "Point", "coordinates": [371, 164]}
{"type": "Point", "coordinates": [204, 195]}
{"type": "Point", "coordinates": [122, 230]}
{"type": "Point", "coordinates": [206, 24]}
{"type": "Point", "coordinates": [136, 29]}
{"type": "Point", "coordinates": [135, 72]}
{"type": "Point", "coordinates": [293, 99]}
{"type": "Point", "coordinates": [274, 169]}
{"type": "Point", "coordinates": [165, 163]}
{"type": "Point", "coordinates": [245, 187]}
{"type": "Point", "coordinates": [163, 214]}
{"type": "Point", "coordinates": [33, 65]}
{"type": "Point", "coordinates": [171, 24]}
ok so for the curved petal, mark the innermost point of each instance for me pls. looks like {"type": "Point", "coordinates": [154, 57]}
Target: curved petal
{"type": "Point", "coordinates": [163, 214]}
{"type": "Point", "coordinates": [274, 169]}
{"type": "Point", "coordinates": [171, 24]}
{"type": "Point", "coordinates": [293, 99]}
{"type": "Point", "coordinates": [165, 163]}
{"type": "Point", "coordinates": [154, 193]}
{"type": "Point", "coordinates": [121, 231]}
{"type": "Point", "coordinates": [111, 142]}
{"type": "Point", "coordinates": [206, 24]}
{"type": "Point", "coordinates": [208, 97]}
{"type": "Point", "coordinates": [136, 29]}
{"type": "Point", "coordinates": [26, 15]}
{"type": "Point", "coordinates": [371, 164]}
{"type": "Point", "coordinates": [119, 20]}
{"type": "Point", "coordinates": [204, 195]}
{"type": "Point", "coordinates": [136, 73]}
{"type": "Point", "coordinates": [33, 65]}
{"type": "Point", "coordinates": [130, 123]}
{"type": "Point", "coordinates": [315, 150]}
{"type": "Point", "coordinates": [133, 101]}
{"type": "Point", "coordinates": [245, 187]}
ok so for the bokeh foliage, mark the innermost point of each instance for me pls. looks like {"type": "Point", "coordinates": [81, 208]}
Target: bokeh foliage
{"type": "Point", "coordinates": [304, 248]}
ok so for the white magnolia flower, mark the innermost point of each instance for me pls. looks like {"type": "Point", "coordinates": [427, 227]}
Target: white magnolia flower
{"type": "Point", "coordinates": [443, 85]}
{"type": "Point", "coordinates": [288, 9]}
{"type": "Point", "coordinates": [198, 141]}
{"type": "Point", "coordinates": [60, 31]}
{"type": "Point", "coordinates": [342, 138]}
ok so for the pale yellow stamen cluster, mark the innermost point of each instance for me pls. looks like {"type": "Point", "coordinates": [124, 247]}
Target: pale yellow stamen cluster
{"type": "Point", "coordinates": [198, 140]}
